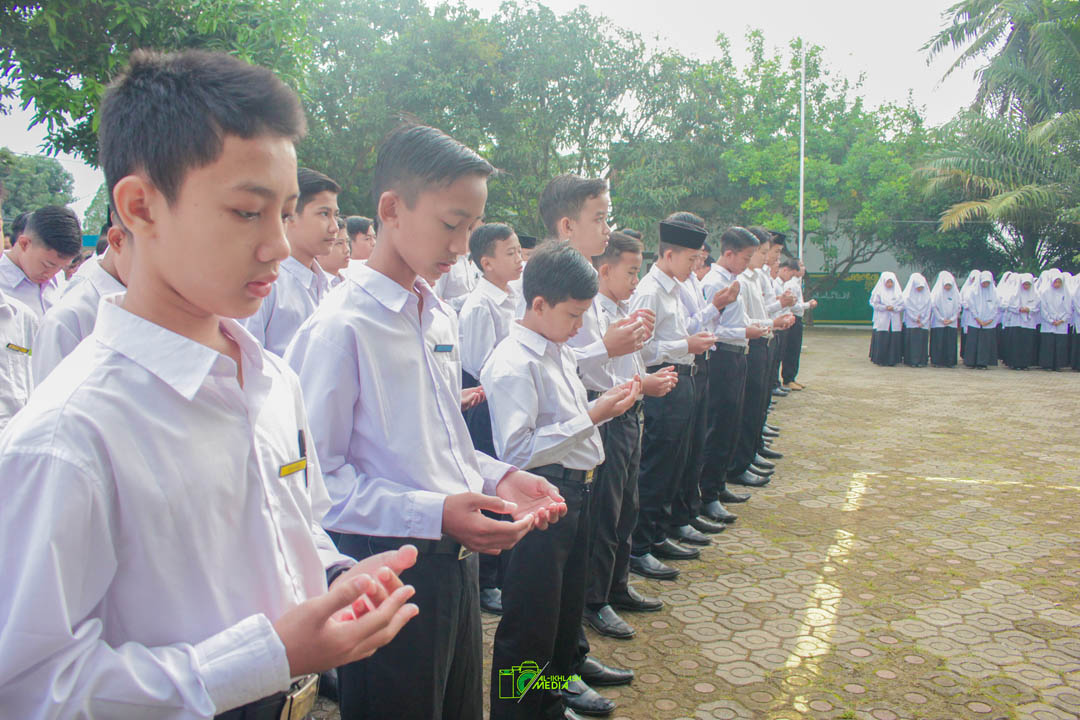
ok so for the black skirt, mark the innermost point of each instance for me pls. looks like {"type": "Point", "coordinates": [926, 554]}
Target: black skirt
{"type": "Point", "coordinates": [1074, 348]}
{"type": "Point", "coordinates": [1053, 351]}
{"type": "Point", "coordinates": [886, 347]}
{"type": "Point", "coordinates": [981, 350]}
{"type": "Point", "coordinates": [943, 346]}
{"type": "Point", "coordinates": [1025, 348]}
{"type": "Point", "coordinates": [916, 344]}
{"type": "Point", "coordinates": [1006, 342]}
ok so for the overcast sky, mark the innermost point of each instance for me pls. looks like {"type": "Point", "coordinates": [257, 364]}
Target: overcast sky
{"type": "Point", "coordinates": [880, 40]}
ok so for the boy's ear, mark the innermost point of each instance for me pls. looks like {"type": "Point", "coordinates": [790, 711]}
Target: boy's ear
{"type": "Point", "coordinates": [538, 305]}
{"type": "Point", "coordinates": [23, 241]}
{"type": "Point", "coordinates": [485, 263]}
{"type": "Point", "coordinates": [388, 208]}
{"type": "Point", "coordinates": [565, 227]}
{"type": "Point", "coordinates": [133, 198]}
{"type": "Point", "coordinates": [117, 239]}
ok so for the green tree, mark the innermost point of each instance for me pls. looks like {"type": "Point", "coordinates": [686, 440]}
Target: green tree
{"type": "Point", "coordinates": [31, 182]}
{"type": "Point", "coordinates": [57, 56]}
{"type": "Point", "coordinates": [98, 211]}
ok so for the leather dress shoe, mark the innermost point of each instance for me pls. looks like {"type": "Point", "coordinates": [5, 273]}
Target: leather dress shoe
{"type": "Point", "coordinates": [634, 601]}
{"type": "Point", "coordinates": [491, 600]}
{"type": "Point", "coordinates": [771, 427]}
{"type": "Point", "coordinates": [760, 472]}
{"type": "Point", "coordinates": [726, 496]}
{"type": "Point", "coordinates": [748, 479]}
{"type": "Point", "coordinates": [707, 526]}
{"type": "Point", "coordinates": [763, 463]}
{"type": "Point", "coordinates": [687, 534]}
{"type": "Point", "coordinates": [780, 392]}
{"type": "Point", "coordinates": [769, 454]}
{"type": "Point", "coordinates": [769, 434]}
{"type": "Point", "coordinates": [583, 700]}
{"type": "Point", "coordinates": [607, 622]}
{"type": "Point", "coordinates": [648, 566]}
{"type": "Point", "coordinates": [598, 674]}
{"type": "Point", "coordinates": [716, 511]}
{"type": "Point", "coordinates": [670, 550]}
{"type": "Point", "coordinates": [569, 714]}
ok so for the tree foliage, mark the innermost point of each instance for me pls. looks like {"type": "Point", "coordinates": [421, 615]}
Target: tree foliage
{"type": "Point", "coordinates": [31, 182]}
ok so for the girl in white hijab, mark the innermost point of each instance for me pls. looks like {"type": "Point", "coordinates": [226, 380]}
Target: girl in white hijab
{"type": "Point", "coordinates": [1020, 316]}
{"type": "Point", "coordinates": [1056, 311]}
{"type": "Point", "coordinates": [985, 312]}
{"type": "Point", "coordinates": [887, 300]}
{"type": "Point", "coordinates": [965, 304]}
{"type": "Point", "coordinates": [917, 308]}
{"type": "Point", "coordinates": [1074, 340]}
{"type": "Point", "coordinates": [944, 319]}
{"type": "Point", "coordinates": [1006, 290]}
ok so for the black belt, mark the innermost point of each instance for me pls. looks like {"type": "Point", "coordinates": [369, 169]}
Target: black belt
{"type": "Point", "coordinates": [557, 471]}
{"type": "Point", "coordinates": [737, 349]}
{"type": "Point", "coordinates": [296, 704]}
{"type": "Point", "coordinates": [443, 546]}
{"type": "Point", "coordinates": [690, 370]}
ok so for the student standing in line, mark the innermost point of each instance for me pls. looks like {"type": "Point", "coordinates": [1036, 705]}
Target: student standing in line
{"type": "Point", "coordinates": [30, 270]}
{"type": "Point", "coordinates": [791, 272]}
{"type": "Point", "coordinates": [966, 300]}
{"type": "Point", "coordinates": [917, 310]}
{"type": "Point", "coordinates": [1055, 309]}
{"type": "Point", "coordinates": [361, 232]}
{"type": "Point", "coordinates": [944, 317]}
{"type": "Point", "coordinates": [985, 313]}
{"type": "Point", "coordinates": [18, 328]}
{"type": "Point", "coordinates": [1023, 303]}
{"type": "Point", "coordinates": [887, 300]}
{"type": "Point", "coordinates": [1074, 340]}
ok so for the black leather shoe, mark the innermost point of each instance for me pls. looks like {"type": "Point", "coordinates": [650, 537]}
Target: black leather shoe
{"type": "Point", "coordinates": [719, 513]}
{"type": "Point", "coordinates": [726, 496]}
{"type": "Point", "coordinates": [748, 479]}
{"type": "Point", "coordinates": [491, 600]}
{"type": "Point", "coordinates": [707, 526]}
{"type": "Point", "coordinates": [598, 674]}
{"type": "Point", "coordinates": [760, 472]}
{"type": "Point", "coordinates": [669, 550]}
{"type": "Point", "coordinates": [763, 463]}
{"type": "Point", "coordinates": [634, 601]}
{"type": "Point", "coordinates": [648, 566]}
{"type": "Point", "coordinates": [769, 434]}
{"type": "Point", "coordinates": [607, 622]}
{"type": "Point", "coordinates": [583, 700]}
{"type": "Point", "coordinates": [772, 427]}
{"type": "Point", "coordinates": [770, 454]}
{"type": "Point", "coordinates": [687, 534]}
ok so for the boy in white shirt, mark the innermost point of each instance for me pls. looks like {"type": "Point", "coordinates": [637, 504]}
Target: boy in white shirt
{"type": "Point", "coordinates": [542, 420]}
{"type": "Point", "coordinates": [160, 525]}
{"type": "Point", "coordinates": [18, 327]}
{"type": "Point", "coordinates": [30, 270]}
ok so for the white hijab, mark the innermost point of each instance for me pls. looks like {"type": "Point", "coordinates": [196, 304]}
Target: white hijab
{"type": "Point", "coordinates": [1007, 290]}
{"type": "Point", "coordinates": [970, 284]}
{"type": "Point", "coordinates": [1056, 303]}
{"type": "Point", "coordinates": [916, 302]}
{"type": "Point", "coordinates": [1028, 298]}
{"type": "Point", "coordinates": [946, 303]}
{"type": "Point", "coordinates": [888, 296]}
{"type": "Point", "coordinates": [985, 304]}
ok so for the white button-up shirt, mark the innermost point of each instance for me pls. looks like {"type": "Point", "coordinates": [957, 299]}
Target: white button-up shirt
{"type": "Point", "coordinates": [700, 312]}
{"type": "Point", "coordinates": [659, 292]}
{"type": "Point", "coordinates": [484, 321]}
{"type": "Point", "coordinates": [623, 368]}
{"type": "Point", "coordinates": [754, 300]}
{"type": "Point", "coordinates": [293, 298]}
{"type": "Point", "coordinates": [730, 326]}
{"type": "Point", "coordinates": [72, 318]}
{"type": "Point", "coordinates": [147, 539]}
{"type": "Point", "coordinates": [38, 298]}
{"type": "Point", "coordinates": [18, 326]}
{"type": "Point", "coordinates": [795, 286]}
{"type": "Point", "coordinates": [382, 382]}
{"type": "Point", "coordinates": [455, 285]}
{"type": "Point", "coordinates": [539, 408]}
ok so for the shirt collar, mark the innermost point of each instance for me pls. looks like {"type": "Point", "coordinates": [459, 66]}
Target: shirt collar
{"type": "Point", "coordinates": [389, 294]}
{"type": "Point", "coordinates": [12, 272]}
{"type": "Point", "coordinates": [533, 341]}
{"type": "Point", "coordinates": [99, 277]}
{"type": "Point", "coordinates": [179, 362]}
{"type": "Point", "coordinates": [614, 308]}
{"type": "Point", "coordinates": [665, 281]}
{"type": "Point", "coordinates": [492, 291]}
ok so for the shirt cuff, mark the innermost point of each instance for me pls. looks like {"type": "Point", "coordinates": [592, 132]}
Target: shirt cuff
{"type": "Point", "coordinates": [243, 663]}
{"type": "Point", "coordinates": [423, 516]}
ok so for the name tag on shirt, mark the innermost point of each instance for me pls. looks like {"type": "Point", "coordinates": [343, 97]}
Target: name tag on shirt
{"type": "Point", "coordinates": [19, 349]}
{"type": "Point", "coordinates": [444, 348]}
{"type": "Point", "coordinates": [293, 467]}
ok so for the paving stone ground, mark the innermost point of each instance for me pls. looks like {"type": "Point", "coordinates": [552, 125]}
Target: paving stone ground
{"type": "Point", "coordinates": [916, 556]}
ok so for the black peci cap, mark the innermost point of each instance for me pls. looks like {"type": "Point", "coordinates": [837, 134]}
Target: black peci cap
{"type": "Point", "coordinates": [682, 234]}
{"type": "Point", "coordinates": [527, 241]}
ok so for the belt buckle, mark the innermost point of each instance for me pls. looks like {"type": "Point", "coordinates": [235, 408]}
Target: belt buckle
{"type": "Point", "coordinates": [300, 701]}
{"type": "Point", "coordinates": [463, 552]}
{"type": "Point", "coordinates": [589, 475]}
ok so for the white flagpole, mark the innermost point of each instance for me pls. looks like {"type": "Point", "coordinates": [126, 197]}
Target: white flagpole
{"type": "Point", "coordinates": [802, 148]}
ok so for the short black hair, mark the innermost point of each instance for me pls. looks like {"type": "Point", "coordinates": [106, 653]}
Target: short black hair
{"type": "Point", "coordinates": [169, 113]}
{"type": "Point", "coordinates": [57, 227]}
{"type": "Point", "coordinates": [558, 272]}
{"type": "Point", "coordinates": [18, 225]}
{"type": "Point", "coordinates": [618, 243]}
{"type": "Point", "coordinates": [311, 183]}
{"type": "Point", "coordinates": [483, 239]}
{"type": "Point", "coordinates": [357, 225]}
{"type": "Point", "coordinates": [736, 239]}
{"type": "Point", "coordinates": [564, 196]}
{"type": "Point", "coordinates": [790, 264]}
{"type": "Point", "coordinates": [764, 236]}
{"type": "Point", "coordinates": [636, 234]}
{"type": "Point", "coordinates": [688, 218]}
{"type": "Point", "coordinates": [415, 157]}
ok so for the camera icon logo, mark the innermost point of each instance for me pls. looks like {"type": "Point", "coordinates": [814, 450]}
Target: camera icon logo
{"type": "Point", "coordinates": [515, 681]}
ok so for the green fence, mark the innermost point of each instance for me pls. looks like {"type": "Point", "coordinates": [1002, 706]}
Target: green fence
{"type": "Point", "coordinates": [846, 302]}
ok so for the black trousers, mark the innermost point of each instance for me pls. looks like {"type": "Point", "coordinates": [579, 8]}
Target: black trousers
{"type": "Point", "coordinates": [727, 386]}
{"type": "Point", "coordinates": [1053, 351]}
{"type": "Point", "coordinates": [543, 600]}
{"type": "Point", "coordinates": [943, 346]}
{"type": "Point", "coordinates": [478, 420]}
{"type": "Point", "coordinates": [792, 351]}
{"type": "Point", "coordinates": [777, 348]}
{"type": "Point", "coordinates": [664, 448]}
{"type": "Point", "coordinates": [916, 346]}
{"type": "Point", "coordinates": [686, 503]}
{"type": "Point", "coordinates": [434, 667]}
{"type": "Point", "coordinates": [755, 402]}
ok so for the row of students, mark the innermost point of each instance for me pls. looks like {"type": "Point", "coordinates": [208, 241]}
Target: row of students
{"type": "Point", "coordinates": [1024, 322]}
